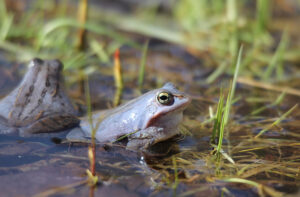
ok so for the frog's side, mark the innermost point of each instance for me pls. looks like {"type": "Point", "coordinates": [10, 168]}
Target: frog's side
{"type": "Point", "coordinates": [146, 120]}
{"type": "Point", "coordinates": [39, 104]}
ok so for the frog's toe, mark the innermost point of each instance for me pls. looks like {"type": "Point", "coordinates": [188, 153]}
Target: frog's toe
{"type": "Point", "coordinates": [139, 144]}
{"type": "Point", "coordinates": [77, 135]}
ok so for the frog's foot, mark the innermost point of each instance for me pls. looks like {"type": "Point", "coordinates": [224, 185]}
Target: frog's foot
{"type": "Point", "coordinates": [78, 135]}
{"type": "Point", "coordinates": [145, 138]}
{"type": "Point", "coordinates": [139, 144]}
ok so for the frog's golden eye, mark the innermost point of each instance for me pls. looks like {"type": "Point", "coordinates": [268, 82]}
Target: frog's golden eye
{"type": "Point", "coordinates": [165, 98]}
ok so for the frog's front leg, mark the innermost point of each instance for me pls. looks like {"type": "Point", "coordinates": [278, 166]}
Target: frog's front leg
{"type": "Point", "coordinates": [145, 138]}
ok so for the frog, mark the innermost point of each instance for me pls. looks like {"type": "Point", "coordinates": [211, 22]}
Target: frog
{"type": "Point", "coordinates": [39, 104]}
{"type": "Point", "coordinates": [146, 120]}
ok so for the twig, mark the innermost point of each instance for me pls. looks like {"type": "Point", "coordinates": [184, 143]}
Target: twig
{"type": "Point", "coordinates": [57, 190]}
{"type": "Point", "coordinates": [267, 86]}
{"type": "Point", "coordinates": [118, 77]}
{"type": "Point", "coordinates": [82, 17]}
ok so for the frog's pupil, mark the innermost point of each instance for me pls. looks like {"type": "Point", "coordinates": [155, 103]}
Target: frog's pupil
{"type": "Point", "coordinates": [164, 97]}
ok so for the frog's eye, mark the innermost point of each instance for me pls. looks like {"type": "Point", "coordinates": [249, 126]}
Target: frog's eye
{"type": "Point", "coordinates": [165, 98]}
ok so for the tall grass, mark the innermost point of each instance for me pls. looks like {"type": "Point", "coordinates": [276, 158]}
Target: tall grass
{"type": "Point", "coordinates": [57, 36]}
{"type": "Point", "coordinates": [223, 112]}
{"type": "Point", "coordinates": [217, 27]}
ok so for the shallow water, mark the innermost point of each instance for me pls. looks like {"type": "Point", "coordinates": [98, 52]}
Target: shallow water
{"type": "Point", "coordinates": [46, 164]}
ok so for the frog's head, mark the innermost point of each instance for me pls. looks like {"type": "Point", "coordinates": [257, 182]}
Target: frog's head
{"type": "Point", "coordinates": [49, 70]}
{"type": "Point", "coordinates": [167, 107]}
{"type": "Point", "coordinates": [37, 63]}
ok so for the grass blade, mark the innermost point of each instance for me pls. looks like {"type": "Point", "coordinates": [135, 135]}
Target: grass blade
{"type": "Point", "coordinates": [277, 121]}
{"type": "Point", "coordinates": [143, 64]}
{"type": "Point", "coordinates": [276, 102]}
{"type": "Point", "coordinates": [218, 119]}
{"type": "Point", "coordinates": [277, 57]}
{"type": "Point", "coordinates": [234, 81]}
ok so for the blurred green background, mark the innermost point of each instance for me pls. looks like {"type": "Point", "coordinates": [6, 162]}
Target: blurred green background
{"type": "Point", "coordinates": [209, 30]}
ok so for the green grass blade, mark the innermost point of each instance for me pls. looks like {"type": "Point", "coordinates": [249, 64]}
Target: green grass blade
{"type": "Point", "coordinates": [261, 188]}
{"type": "Point", "coordinates": [124, 136]}
{"type": "Point", "coordinates": [231, 10]}
{"type": "Point", "coordinates": [239, 180]}
{"type": "Point", "coordinates": [99, 51]}
{"type": "Point", "coordinates": [232, 91]}
{"type": "Point", "coordinates": [262, 15]}
{"type": "Point", "coordinates": [220, 70]}
{"type": "Point", "coordinates": [90, 26]}
{"type": "Point", "coordinates": [6, 26]}
{"type": "Point", "coordinates": [143, 65]}
{"type": "Point", "coordinates": [224, 120]}
{"type": "Point", "coordinates": [3, 10]}
{"type": "Point", "coordinates": [277, 57]}
{"type": "Point", "coordinates": [277, 121]}
{"type": "Point", "coordinates": [276, 102]}
{"type": "Point", "coordinates": [218, 119]}
{"type": "Point", "coordinates": [176, 180]}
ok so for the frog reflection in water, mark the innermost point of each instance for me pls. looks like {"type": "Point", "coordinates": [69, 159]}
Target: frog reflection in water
{"type": "Point", "coordinates": [39, 104]}
{"type": "Point", "coordinates": [148, 119]}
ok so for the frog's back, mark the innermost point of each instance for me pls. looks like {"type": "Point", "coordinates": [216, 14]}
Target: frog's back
{"type": "Point", "coordinates": [39, 103]}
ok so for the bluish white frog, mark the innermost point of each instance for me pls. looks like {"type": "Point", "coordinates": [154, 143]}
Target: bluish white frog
{"type": "Point", "coordinates": [146, 120]}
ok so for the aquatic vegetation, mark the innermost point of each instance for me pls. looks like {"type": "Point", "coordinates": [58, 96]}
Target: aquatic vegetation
{"type": "Point", "coordinates": [223, 112]}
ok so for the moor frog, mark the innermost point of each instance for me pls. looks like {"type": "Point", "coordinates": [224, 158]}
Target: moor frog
{"type": "Point", "coordinates": [39, 104]}
{"type": "Point", "coordinates": [146, 120]}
